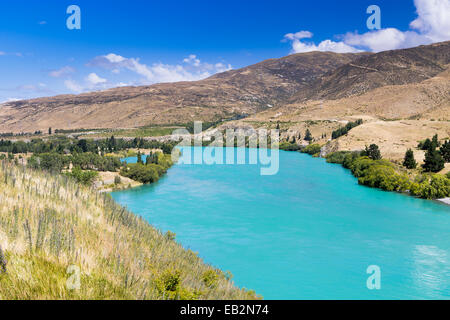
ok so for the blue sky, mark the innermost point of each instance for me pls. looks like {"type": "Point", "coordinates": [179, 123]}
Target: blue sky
{"type": "Point", "coordinates": [144, 42]}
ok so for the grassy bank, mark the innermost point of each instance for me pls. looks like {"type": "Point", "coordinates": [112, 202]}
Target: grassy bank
{"type": "Point", "coordinates": [51, 227]}
{"type": "Point", "coordinates": [387, 176]}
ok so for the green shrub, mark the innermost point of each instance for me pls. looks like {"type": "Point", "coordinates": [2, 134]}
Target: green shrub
{"type": "Point", "coordinates": [289, 146]}
{"type": "Point", "coordinates": [140, 172]}
{"type": "Point", "coordinates": [170, 235]}
{"type": "Point", "coordinates": [312, 149]}
{"type": "Point", "coordinates": [84, 177]}
{"type": "Point", "coordinates": [210, 278]}
{"type": "Point", "coordinates": [337, 157]}
{"type": "Point", "coordinates": [52, 162]}
{"type": "Point", "coordinates": [431, 187]}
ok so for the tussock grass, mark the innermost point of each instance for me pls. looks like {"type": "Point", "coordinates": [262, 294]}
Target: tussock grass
{"type": "Point", "coordinates": [50, 225]}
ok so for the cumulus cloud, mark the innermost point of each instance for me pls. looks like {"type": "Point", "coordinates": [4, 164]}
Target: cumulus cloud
{"type": "Point", "coordinates": [64, 71]}
{"type": "Point", "coordinates": [326, 45]}
{"type": "Point", "coordinates": [192, 59]}
{"type": "Point", "coordinates": [94, 79]}
{"type": "Point", "coordinates": [431, 25]}
{"type": "Point", "coordinates": [191, 69]}
{"type": "Point", "coordinates": [73, 86]}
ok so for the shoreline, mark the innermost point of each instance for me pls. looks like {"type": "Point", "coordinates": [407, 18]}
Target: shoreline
{"type": "Point", "coordinates": [444, 201]}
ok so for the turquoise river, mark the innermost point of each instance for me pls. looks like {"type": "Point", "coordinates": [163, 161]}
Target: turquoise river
{"type": "Point", "coordinates": [308, 232]}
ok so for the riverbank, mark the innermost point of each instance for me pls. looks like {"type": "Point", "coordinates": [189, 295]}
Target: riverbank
{"type": "Point", "coordinates": [295, 234]}
{"type": "Point", "coordinates": [63, 240]}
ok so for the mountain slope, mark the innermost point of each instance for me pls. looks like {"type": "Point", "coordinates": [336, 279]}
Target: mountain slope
{"type": "Point", "coordinates": [51, 227]}
{"type": "Point", "coordinates": [396, 67]}
{"type": "Point", "coordinates": [236, 92]}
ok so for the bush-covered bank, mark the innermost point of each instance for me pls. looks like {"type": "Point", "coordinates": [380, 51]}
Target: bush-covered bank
{"type": "Point", "coordinates": [387, 176]}
{"type": "Point", "coordinates": [54, 232]}
{"type": "Point", "coordinates": [155, 166]}
{"type": "Point", "coordinates": [83, 159]}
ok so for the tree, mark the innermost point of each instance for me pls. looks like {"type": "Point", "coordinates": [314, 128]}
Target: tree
{"type": "Point", "coordinates": [425, 145]}
{"type": "Point", "coordinates": [445, 151]}
{"type": "Point", "coordinates": [112, 144]}
{"type": "Point", "coordinates": [409, 161]}
{"type": "Point", "coordinates": [278, 126]}
{"type": "Point", "coordinates": [435, 142]}
{"type": "Point", "coordinates": [139, 158]}
{"type": "Point", "coordinates": [308, 136]}
{"type": "Point", "coordinates": [373, 152]}
{"type": "Point", "coordinates": [433, 161]}
{"type": "Point", "coordinates": [50, 130]}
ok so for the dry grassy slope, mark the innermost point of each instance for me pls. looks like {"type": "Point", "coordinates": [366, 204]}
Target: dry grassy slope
{"type": "Point", "coordinates": [424, 108]}
{"type": "Point", "coordinates": [236, 92]}
{"type": "Point", "coordinates": [120, 255]}
{"type": "Point", "coordinates": [369, 72]}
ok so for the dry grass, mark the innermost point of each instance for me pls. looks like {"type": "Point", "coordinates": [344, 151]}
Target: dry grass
{"type": "Point", "coordinates": [49, 223]}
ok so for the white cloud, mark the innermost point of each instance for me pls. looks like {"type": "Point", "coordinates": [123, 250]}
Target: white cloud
{"type": "Point", "coordinates": [94, 79]}
{"type": "Point", "coordinates": [326, 45]}
{"type": "Point", "coordinates": [432, 25]}
{"type": "Point", "coordinates": [298, 35]}
{"type": "Point", "coordinates": [193, 69]}
{"type": "Point", "coordinates": [61, 72]}
{"type": "Point", "coordinates": [433, 19]}
{"type": "Point", "coordinates": [192, 59]}
{"type": "Point", "coordinates": [10, 100]}
{"type": "Point", "coordinates": [73, 86]}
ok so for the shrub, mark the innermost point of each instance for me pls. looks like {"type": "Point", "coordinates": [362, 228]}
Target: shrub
{"type": "Point", "coordinates": [141, 173]}
{"type": "Point", "coordinates": [169, 283]}
{"type": "Point", "coordinates": [432, 187]}
{"type": "Point", "coordinates": [52, 162]}
{"type": "Point", "coordinates": [210, 278]}
{"type": "Point", "coordinates": [117, 180]}
{"type": "Point", "coordinates": [288, 146]}
{"type": "Point", "coordinates": [89, 160]}
{"type": "Point", "coordinates": [337, 157]}
{"type": "Point", "coordinates": [170, 235]}
{"type": "Point", "coordinates": [312, 149]}
{"type": "Point", "coordinates": [83, 177]}
{"type": "Point", "coordinates": [3, 262]}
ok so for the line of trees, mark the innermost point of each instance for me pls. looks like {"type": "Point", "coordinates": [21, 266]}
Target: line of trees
{"type": "Point", "coordinates": [156, 164]}
{"type": "Point", "coordinates": [436, 155]}
{"type": "Point", "coordinates": [344, 130]}
{"type": "Point", "coordinates": [383, 174]}
{"type": "Point", "coordinates": [65, 145]}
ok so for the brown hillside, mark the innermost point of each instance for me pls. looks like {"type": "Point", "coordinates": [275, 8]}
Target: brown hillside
{"type": "Point", "coordinates": [396, 67]}
{"type": "Point", "coordinates": [233, 93]}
